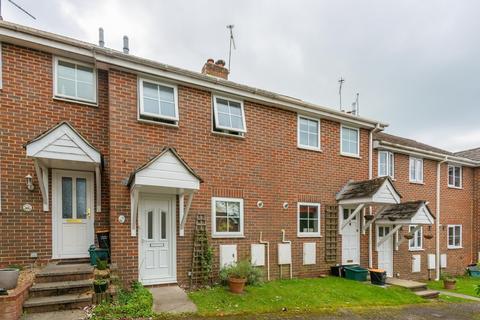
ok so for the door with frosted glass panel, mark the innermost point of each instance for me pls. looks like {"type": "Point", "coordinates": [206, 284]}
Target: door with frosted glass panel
{"type": "Point", "coordinates": [73, 214]}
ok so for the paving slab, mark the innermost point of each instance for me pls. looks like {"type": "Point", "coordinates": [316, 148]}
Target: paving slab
{"type": "Point", "coordinates": [409, 284]}
{"type": "Point", "coordinates": [171, 299]}
{"type": "Point", "coordinates": [459, 295]}
{"type": "Point", "coordinates": [56, 315]}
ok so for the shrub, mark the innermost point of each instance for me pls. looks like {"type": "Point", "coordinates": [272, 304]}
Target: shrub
{"type": "Point", "coordinates": [102, 264]}
{"type": "Point", "coordinates": [242, 270]}
{"type": "Point", "coordinates": [136, 303]}
{"type": "Point", "coordinates": [446, 276]}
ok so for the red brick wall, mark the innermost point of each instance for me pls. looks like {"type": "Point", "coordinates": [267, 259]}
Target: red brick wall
{"type": "Point", "coordinates": [27, 109]}
{"type": "Point", "coordinates": [266, 165]}
{"type": "Point", "coordinates": [456, 207]}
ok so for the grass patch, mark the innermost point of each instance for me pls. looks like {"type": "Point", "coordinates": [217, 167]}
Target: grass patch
{"type": "Point", "coordinates": [465, 285]}
{"type": "Point", "coordinates": [451, 299]}
{"type": "Point", "coordinates": [135, 303]}
{"type": "Point", "coordinates": [300, 295]}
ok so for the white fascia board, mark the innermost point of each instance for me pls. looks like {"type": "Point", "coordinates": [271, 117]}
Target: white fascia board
{"type": "Point", "coordinates": [90, 53]}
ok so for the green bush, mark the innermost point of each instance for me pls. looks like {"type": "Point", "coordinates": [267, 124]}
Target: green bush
{"type": "Point", "coordinates": [102, 264]}
{"type": "Point", "coordinates": [136, 303]}
{"type": "Point", "coordinates": [242, 270]}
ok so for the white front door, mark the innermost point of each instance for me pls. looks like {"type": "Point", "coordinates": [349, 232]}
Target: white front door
{"type": "Point", "coordinates": [350, 239]}
{"type": "Point", "coordinates": [72, 213]}
{"type": "Point", "coordinates": [385, 250]}
{"type": "Point", "coordinates": [157, 258]}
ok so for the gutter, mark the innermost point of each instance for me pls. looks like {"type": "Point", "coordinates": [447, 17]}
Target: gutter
{"type": "Point", "coordinates": [60, 45]}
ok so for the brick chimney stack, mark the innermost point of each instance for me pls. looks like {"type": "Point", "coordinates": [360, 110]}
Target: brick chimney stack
{"type": "Point", "coordinates": [216, 69]}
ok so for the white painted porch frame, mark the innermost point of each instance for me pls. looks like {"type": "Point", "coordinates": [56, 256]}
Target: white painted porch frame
{"type": "Point", "coordinates": [352, 215]}
{"type": "Point", "coordinates": [370, 222]}
{"type": "Point", "coordinates": [42, 176]}
{"type": "Point", "coordinates": [389, 235]}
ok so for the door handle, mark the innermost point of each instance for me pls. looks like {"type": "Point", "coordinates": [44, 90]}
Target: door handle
{"type": "Point", "coordinates": [89, 213]}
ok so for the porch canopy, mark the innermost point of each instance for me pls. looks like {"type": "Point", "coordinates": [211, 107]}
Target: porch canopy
{"type": "Point", "coordinates": [408, 213]}
{"type": "Point", "coordinates": [166, 173]}
{"type": "Point", "coordinates": [63, 147]}
{"type": "Point", "coordinates": [379, 192]}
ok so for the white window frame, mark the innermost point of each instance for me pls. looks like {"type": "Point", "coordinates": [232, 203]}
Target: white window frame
{"type": "Point", "coordinates": [413, 243]}
{"type": "Point", "coordinates": [415, 161]}
{"type": "Point", "coordinates": [308, 234]}
{"type": "Point", "coordinates": [348, 154]}
{"type": "Point", "coordinates": [298, 133]}
{"type": "Point", "coordinates": [453, 226]}
{"type": "Point", "coordinates": [72, 98]}
{"type": "Point", "coordinates": [216, 234]}
{"type": "Point", "coordinates": [215, 113]}
{"type": "Point", "coordinates": [141, 110]}
{"type": "Point", "coordinates": [448, 176]}
{"type": "Point", "coordinates": [389, 166]}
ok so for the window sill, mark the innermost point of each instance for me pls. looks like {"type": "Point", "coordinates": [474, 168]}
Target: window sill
{"type": "Point", "coordinates": [416, 250]}
{"type": "Point", "coordinates": [71, 100]}
{"type": "Point", "coordinates": [453, 187]}
{"type": "Point", "coordinates": [160, 123]}
{"type": "Point", "coordinates": [228, 236]}
{"type": "Point", "coordinates": [309, 236]}
{"type": "Point", "coordinates": [350, 155]}
{"type": "Point", "coordinates": [454, 248]}
{"type": "Point", "coordinates": [417, 182]}
{"type": "Point", "coordinates": [229, 135]}
{"type": "Point", "coordinates": [309, 148]}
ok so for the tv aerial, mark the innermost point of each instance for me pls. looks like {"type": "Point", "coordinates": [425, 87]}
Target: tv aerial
{"type": "Point", "coordinates": [232, 43]}
{"type": "Point", "coordinates": [19, 7]}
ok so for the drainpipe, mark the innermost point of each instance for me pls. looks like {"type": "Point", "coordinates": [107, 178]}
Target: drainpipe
{"type": "Point", "coordinates": [267, 244]}
{"type": "Point", "coordinates": [370, 176]}
{"type": "Point", "coordinates": [437, 221]}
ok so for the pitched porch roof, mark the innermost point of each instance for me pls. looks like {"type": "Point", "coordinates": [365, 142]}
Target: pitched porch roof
{"type": "Point", "coordinates": [379, 190]}
{"type": "Point", "coordinates": [411, 212]}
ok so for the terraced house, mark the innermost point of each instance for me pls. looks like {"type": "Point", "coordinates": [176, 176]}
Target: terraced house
{"type": "Point", "coordinates": [95, 139]}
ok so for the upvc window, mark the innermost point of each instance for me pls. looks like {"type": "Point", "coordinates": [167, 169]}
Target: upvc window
{"type": "Point", "coordinates": [350, 141]}
{"type": "Point", "coordinates": [454, 236]}
{"type": "Point", "coordinates": [454, 176]}
{"type": "Point", "coordinates": [308, 133]}
{"type": "Point", "coordinates": [229, 115]}
{"type": "Point", "coordinates": [308, 219]}
{"type": "Point", "coordinates": [416, 242]}
{"type": "Point", "coordinates": [74, 80]}
{"type": "Point", "coordinates": [227, 217]}
{"type": "Point", "coordinates": [158, 101]}
{"type": "Point", "coordinates": [416, 170]}
{"type": "Point", "coordinates": [386, 164]}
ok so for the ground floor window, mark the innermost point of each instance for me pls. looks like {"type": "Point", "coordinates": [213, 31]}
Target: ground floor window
{"type": "Point", "coordinates": [227, 217]}
{"type": "Point", "coordinates": [416, 242]}
{"type": "Point", "coordinates": [308, 219]}
{"type": "Point", "coordinates": [454, 236]}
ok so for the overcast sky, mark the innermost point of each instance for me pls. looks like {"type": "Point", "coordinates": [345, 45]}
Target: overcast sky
{"type": "Point", "coordinates": [414, 63]}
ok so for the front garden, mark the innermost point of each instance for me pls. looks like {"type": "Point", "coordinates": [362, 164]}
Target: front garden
{"type": "Point", "coordinates": [464, 285]}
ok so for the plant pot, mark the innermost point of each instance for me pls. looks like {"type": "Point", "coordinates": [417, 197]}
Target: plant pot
{"type": "Point", "coordinates": [449, 284]}
{"type": "Point", "coordinates": [100, 287]}
{"type": "Point", "coordinates": [428, 236]}
{"type": "Point", "coordinates": [236, 285]}
{"type": "Point", "coordinates": [408, 236]}
{"type": "Point", "coordinates": [9, 278]}
{"type": "Point", "coordinates": [369, 217]}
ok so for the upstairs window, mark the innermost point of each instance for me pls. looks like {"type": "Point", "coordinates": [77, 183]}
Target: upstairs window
{"type": "Point", "coordinates": [416, 242]}
{"type": "Point", "coordinates": [416, 170]}
{"type": "Point", "coordinates": [350, 141]}
{"type": "Point", "coordinates": [158, 102]}
{"type": "Point", "coordinates": [454, 176]}
{"type": "Point", "coordinates": [454, 236]}
{"type": "Point", "coordinates": [386, 164]}
{"type": "Point", "coordinates": [229, 116]}
{"type": "Point", "coordinates": [308, 133]}
{"type": "Point", "coordinates": [75, 81]}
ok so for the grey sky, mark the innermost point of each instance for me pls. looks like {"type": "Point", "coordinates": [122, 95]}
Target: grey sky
{"type": "Point", "coordinates": [415, 63]}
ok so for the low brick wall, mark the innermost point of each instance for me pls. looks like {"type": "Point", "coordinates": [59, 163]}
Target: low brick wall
{"type": "Point", "coordinates": [11, 306]}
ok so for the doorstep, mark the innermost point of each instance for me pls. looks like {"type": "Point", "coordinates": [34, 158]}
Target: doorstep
{"type": "Point", "coordinates": [171, 299]}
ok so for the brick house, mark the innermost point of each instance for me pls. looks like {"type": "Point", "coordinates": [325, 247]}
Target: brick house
{"type": "Point", "coordinates": [94, 139]}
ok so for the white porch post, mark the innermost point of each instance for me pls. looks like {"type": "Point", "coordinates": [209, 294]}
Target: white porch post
{"type": "Point", "coordinates": [42, 176]}
{"type": "Point", "coordinates": [133, 211]}
{"type": "Point", "coordinates": [98, 182]}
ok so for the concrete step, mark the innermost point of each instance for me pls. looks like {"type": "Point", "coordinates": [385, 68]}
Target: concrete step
{"type": "Point", "coordinates": [408, 284]}
{"type": "Point", "coordinates": [47, 289]}
{"type": "Point", "coordinates": [427, 294]}
{"type": "Point", "coordinates": [55, 303]}
{"type": "Point", "coordinates": [64, 272]}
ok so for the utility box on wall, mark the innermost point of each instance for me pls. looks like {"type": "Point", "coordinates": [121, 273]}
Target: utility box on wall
{"type": "Point", "coordinates": [258, 254]}
{"type": "Point", "coordinates": [228, 254]}
{"type": "Point", "coordinates": [284, 253]}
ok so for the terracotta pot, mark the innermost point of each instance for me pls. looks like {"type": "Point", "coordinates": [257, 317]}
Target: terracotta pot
{"type": "Point", "coordinates": [408, 236]}
{"type": "Point", "coordinates": [449, 284]}
{"type": "Point", "coordinates": [8, 278]}
{"type": "Point", "coordinates": [236, 285]}
{"type": "Point", "coordinates": [428, 236]}
{"type": "Point", "coordinates": [369, 217]}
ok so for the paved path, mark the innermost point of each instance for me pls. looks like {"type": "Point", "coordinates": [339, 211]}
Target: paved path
{"type": "Point", "coordinates": [56, 315]}
{"type": "Point", "coordinates": [459, 295]}
{"type": "Point", "coordinates": [171, 299]}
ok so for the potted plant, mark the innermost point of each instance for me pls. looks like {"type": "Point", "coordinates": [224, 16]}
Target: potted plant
{"type": "Point", "coordinates": [237, 275]}
{"type": "Point", "coordinates": [369, 217]}
{"type": "Point", "coordinates": [428, 236]}
{"type": "Point", "coordinates": [9, 278]}
{"type": "Point", "coordinates": [448, 281]}
{"type": "Point", "coordinates": [100, 285]}
{"type": "Point", "coordinates": [408, 236]}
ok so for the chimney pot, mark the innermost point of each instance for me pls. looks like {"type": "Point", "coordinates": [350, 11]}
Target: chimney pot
{"type": "Point", "coordinates": [126, 48]}
{"type": "Point", "coordinates": [101, 40]}
{"type": "Point", "coordinates": [216, 69]}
